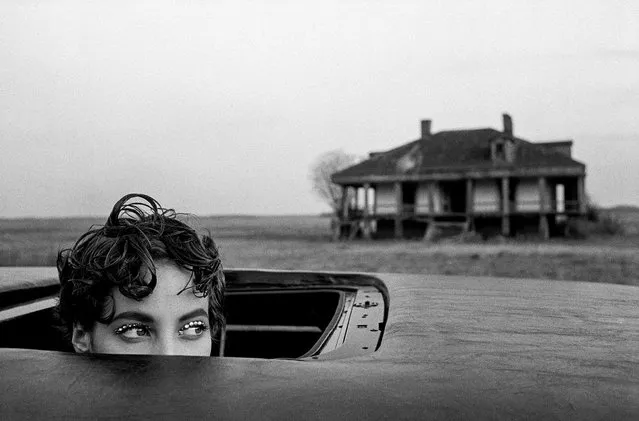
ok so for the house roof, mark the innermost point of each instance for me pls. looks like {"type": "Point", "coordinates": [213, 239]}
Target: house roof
{"type": "Point", "coordinates": [454, 151]}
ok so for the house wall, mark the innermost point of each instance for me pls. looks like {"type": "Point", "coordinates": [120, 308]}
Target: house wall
{"type": "Point", "coordinates": [527, 198]}
{"type": "Point", "coordinates": [385, 196]}
{"type": "Point", "coordinates": [422, 199]}
{"type": "Point", "coordinates": [487, 197]}
{"type": "Point", "coordinates": [387, 202]}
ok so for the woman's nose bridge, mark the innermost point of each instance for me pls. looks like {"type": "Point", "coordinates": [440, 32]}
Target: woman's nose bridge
{"type": "Point", "coordinates": [167, 344]}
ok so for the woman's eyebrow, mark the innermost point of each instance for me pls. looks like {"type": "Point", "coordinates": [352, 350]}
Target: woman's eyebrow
{"type": "Point", "coordinates": [193, 314]}
{"type": "Point", "coordinates": [133, 315]}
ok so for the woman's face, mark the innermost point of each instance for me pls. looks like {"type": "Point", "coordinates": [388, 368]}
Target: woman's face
{"type": "Point", "coordinates": [163, 323]}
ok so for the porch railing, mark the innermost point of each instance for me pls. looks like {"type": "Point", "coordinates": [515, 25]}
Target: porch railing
{"type": "Point", "coordinates": [479, 207]}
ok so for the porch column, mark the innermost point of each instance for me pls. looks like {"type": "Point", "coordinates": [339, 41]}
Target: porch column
{"type": "Point", "coordinates": [505, 207]}
{"type": "Point", "coordinates": [344, 204]}
{"type": "Point", "coordinates": [581, 194]}
{"type": "Point", "coordinates": [367, 222]}
{"type": "Point", "coordinates": [341, 215]}
{"type": "Point", "coordinates": [469, 203]}
{"type": "Point", "coordinates": [431, 199]}
{"type": "Point", "coordinates": [355, 199]}
{"type": "Point", "coordinates": [399, 229]}
{"type": "Point", "coordinates": [543, 208]}
{"type": "Point", "coordinates": [374, 189]}
{"type": "Point", "coordinates": [354, 219]}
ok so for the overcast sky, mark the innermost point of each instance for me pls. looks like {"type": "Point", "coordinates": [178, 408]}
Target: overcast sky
{"type": "Point", "coordinates": [220, 107]}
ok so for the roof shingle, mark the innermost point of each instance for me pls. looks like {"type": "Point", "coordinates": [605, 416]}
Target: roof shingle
{"type": "Point", "coordinates": [455, 150]}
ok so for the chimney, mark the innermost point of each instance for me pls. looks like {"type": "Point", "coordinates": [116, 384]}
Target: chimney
{"type": "Point", "coordinates": [426, 129]}
{"type": "Point", "coordinates": [508, 124]}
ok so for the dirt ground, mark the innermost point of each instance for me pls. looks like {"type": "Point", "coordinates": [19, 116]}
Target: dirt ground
{"type": "Point", "coordinates": [303, 242]}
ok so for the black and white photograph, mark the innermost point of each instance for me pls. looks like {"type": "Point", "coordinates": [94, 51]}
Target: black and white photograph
{"type": "Point", "coordinates": [319, 210]}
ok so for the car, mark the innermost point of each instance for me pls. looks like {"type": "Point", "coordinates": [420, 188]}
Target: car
{"type": "Point", "coordinates": [334, 345]}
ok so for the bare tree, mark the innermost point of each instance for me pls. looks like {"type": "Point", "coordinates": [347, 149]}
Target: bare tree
{"type": "Point", "coordinates": [320, 175]}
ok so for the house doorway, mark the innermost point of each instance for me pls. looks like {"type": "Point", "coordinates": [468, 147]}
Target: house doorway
{"type": "Point", "coordinates": [454, 196]}
{"type": "Point", "coordinates": [409, 194]}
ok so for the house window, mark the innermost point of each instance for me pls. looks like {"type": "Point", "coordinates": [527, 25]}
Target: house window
{"type": "Point", "coordinates": [500, 151]}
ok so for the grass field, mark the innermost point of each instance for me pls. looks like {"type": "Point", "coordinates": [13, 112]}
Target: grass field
{"type": "Point", "coordinates": [303, 242]}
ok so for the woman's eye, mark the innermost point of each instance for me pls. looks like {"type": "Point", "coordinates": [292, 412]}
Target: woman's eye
{"type": "Point", "coordinates": [133, 331]}
{"type": "Point", "coordinates": [193, 330]}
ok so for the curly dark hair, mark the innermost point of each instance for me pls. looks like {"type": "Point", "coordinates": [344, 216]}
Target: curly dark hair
{"type": "Point", "coordinates": [121, 254]}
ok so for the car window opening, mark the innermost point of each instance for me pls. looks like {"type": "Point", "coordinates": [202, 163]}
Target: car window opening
{"type": "Point", "coordinates": [283, 321]}
{"type": "Point", "coordinates": [277, 324]}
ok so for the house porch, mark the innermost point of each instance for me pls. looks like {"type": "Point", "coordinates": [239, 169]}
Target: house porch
{"type": "Point", "coordinates": [498, 205]}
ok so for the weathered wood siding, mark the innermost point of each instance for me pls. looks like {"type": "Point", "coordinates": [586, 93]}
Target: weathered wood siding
{"type": "Point", "coordinates": [527, 197]}
{"type": "Point", "coordinates": [487, 197]}
{"type": "Point", "coordinates": [422, 199]}
{"type": "Point", "coordinates": [385, 198]}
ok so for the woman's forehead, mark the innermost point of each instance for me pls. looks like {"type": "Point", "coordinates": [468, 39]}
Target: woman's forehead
{"type": "Point", "coordinates": [169, 295]}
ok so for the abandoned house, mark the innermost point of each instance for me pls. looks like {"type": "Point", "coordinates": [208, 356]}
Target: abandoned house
{"type": "Point", "coordinates": [478, 180]}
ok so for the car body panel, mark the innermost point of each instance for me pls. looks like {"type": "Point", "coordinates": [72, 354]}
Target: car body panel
{"type": "Point", "coordinates": [453, 347]}
{"type": "Point", "coordinates": [20, 285]}
{"type": "Point", "coordinates": [14, 278]}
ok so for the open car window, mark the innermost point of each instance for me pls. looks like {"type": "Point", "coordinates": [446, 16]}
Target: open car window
{"type": "Point", "coordinates": [269, 315]}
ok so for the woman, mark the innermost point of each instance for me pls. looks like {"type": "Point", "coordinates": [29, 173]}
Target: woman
{"type": "Point", "coordinates": [144, 283]}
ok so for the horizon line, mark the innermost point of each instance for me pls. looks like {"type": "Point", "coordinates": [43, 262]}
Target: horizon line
{"type": "Point", "coordinates": [220, 215]}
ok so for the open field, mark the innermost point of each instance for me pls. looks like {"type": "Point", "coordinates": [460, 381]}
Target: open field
{"type": "Point", "coordinates": [629, 218]}
{"type": "Point", "coordinates": [303, 242]}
